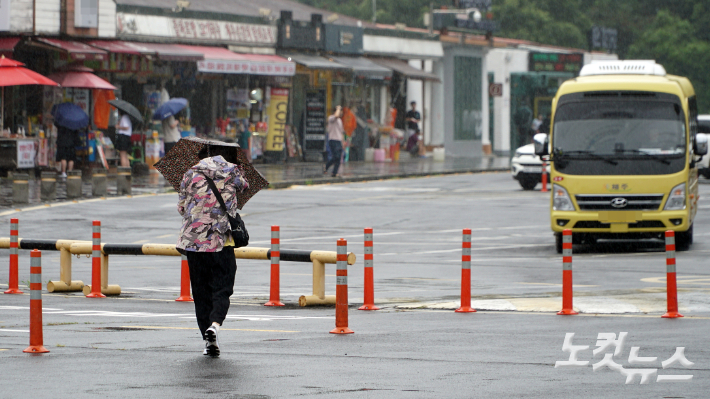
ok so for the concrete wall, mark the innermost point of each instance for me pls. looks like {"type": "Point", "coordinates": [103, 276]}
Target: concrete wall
{"type": "Point", "coordinates": [21, 15]}
{"type": "Point", "coordinates": [503, 62]}
{"type": "Point", "coordinates": [107, 18]}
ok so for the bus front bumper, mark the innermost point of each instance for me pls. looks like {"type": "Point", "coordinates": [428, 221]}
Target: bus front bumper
{"type": "Point", "coordinates": [620, 222]}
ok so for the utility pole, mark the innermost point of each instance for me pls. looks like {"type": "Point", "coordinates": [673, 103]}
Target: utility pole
{"type": "Point", "coordinates": [374, 11]}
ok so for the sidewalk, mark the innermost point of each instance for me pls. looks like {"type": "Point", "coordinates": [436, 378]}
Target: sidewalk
{"type": "Point", "coordinates": [289, 174]}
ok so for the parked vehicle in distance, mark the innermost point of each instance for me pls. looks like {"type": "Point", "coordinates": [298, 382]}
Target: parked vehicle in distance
{"type": "Point", "coordinates": [526, 167]}
{"type": "Point", "coordinates": [624, 149]}
{"type": "Point", "coordinates": [704, 164]}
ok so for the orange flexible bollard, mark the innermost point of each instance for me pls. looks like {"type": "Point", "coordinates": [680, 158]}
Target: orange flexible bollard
{"type": "Point", "coordinates": [341, 290]}
{"type": "Point", "coordinates": [275, 290]}
{"type": "Point", "coordinates": [567, 294]}
{"type": "Point", "coordinates": [466, 273]}
{"type": "Point", "coordinates": [13, 282]}
{"type": "Point", "coordinates": [36, 337]}
{"type": "Point", "coordinates": [369, 301]}
{"type": "Point", "coordinates": [544, 177]}
{"type": "Point", "coordinates": [96, 262]}
{"type": "Point", "coordinates": [671, 288]}
{"type": "Point", "coordinates": [184, 281]}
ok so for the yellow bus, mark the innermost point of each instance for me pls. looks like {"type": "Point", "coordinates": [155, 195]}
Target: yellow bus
{"type": "Point", "coordinates": [624, 148]}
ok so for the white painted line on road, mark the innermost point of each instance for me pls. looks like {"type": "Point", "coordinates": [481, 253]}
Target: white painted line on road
{"type": "Point", "coordinates": [140, 242]}
{"type": "Point", "coordinates": [19, 331]}
{"type": "Point", "coordinates": [195, 328]}
{"type": "Point", "coordinates": [54, 205]}
{"type": "Point", "coordinates": [166, 236]}
{"type": "Point", "coordinates": [22, 308]}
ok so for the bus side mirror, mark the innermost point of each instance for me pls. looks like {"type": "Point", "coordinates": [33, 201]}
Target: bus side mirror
{"type": "Point", "coordinates": [542, 142]}
{"type": "Point", "coordinates": [701, 144]}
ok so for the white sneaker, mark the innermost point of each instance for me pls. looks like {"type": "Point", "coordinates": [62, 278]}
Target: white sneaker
{"type": "Point", "coordinates": [63, 175]}
{"type": "Point", "coordinates": [212, 341]}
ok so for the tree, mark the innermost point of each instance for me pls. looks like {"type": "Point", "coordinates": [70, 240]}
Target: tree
{"type": "Point", "coordinates": [673, 42]}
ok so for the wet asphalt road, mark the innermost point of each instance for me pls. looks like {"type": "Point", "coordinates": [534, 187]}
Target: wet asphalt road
{"type": "Point", "coordinates": [144, 344]}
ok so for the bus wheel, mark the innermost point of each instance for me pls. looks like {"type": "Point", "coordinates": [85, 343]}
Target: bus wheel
{"type": "Point", "coordinates": [684, 239]}
{"type": "Point", "coordinates": [558, 242]}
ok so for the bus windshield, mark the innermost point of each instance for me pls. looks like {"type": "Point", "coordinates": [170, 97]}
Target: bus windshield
{"type": "Point", "coordinates": [617, 128]}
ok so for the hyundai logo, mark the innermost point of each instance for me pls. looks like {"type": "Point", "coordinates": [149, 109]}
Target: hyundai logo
{"type": "Point", "coordinates": [619, 202]}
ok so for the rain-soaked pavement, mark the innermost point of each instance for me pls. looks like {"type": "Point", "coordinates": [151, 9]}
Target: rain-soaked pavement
{"type": "Point", "coordinates": [283, 175]}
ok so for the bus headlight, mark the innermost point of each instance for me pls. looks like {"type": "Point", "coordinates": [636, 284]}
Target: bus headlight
{"type": "Point", "coordinates": [560, 199]}
{"type": "Point", "coordinates": [676, 199]}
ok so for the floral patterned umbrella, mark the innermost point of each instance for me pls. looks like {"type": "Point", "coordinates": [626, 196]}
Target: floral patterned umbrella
{"type": "Point", "coordinates": [183, 156]}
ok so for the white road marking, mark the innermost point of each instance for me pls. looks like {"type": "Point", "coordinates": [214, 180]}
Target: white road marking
{"type": "Point", "coordinates": [19, 331]}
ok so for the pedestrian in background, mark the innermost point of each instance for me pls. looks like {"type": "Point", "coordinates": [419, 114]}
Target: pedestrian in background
{"type": "Point", "coordinates": [66, 148]}
{"type": "Point", "coordinates": [335, 140]}
{"type": "Point", "coordinates": [171, 133]}
{"type": "Point", "coordinates": [124, 130]}
{"type": "Point", "coordinates": [205, 237]}
{"type": "Point", "coordinates": [413, 117]}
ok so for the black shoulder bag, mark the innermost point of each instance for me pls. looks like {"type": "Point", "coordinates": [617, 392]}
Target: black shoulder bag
{"type": "Point", "coordinates": [237, 227]}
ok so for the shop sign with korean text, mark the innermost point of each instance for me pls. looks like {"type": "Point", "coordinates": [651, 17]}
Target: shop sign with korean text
{"type": "Point", "coordinates": [277, 111]}
{"type": "Point", "coordinates": [199, 30]}
{"type": "Point", "coordinates": [26, 152]}
{"type": "Point", "coordinates": [251, 67]}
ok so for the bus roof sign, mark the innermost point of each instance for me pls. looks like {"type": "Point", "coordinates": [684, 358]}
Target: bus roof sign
{"type": "Point", "coordinates": [630, 67]}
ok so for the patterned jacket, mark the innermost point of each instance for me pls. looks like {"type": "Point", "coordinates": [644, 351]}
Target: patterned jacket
{"type": "Point", "coordinates": [204, 223]}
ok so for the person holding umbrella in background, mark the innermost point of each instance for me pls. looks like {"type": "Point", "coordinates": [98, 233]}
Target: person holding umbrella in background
{"type": "Point", "coordinates": [124, 130]}
{"type": "Point", "coordinates": [171, 133]}
{"type": "Point", "coordinates": [69, 119]}
{"type": "Point", "coordinates": [166, 113]}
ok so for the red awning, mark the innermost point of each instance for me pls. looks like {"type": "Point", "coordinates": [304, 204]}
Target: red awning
{"type": "Point", "coordinates": [78, 76]}
{"type": "Point", "coordinates": [120, 47]}
{"type": "Point", "coordinates": [8, 43]}
{"type": "Point", "coordinates": [167, 52]}
{"type": "Point", "coordinates": [77, 50]}
{"type": "Point", "coordinates": [221, 60]}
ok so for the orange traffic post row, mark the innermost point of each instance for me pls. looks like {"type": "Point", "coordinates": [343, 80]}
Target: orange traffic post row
{"type": "Point", "coordinates": [36, 337]}
{"type": "Point", "coordinates": [184, 281]}
{"type": "Point", "coordinates": [275, 290]}
{"type": "Point", "coordinates": [13, 282]}
{"type": "Point", "coordinates": [466, 273]}
{"type": "Point", "coordinates": [341, 290]}
{"type": "Point", "coordinates": [671, 288]}
{"type": "Point", "coordinates": [96, 261]}
{"type": "Point", "coordinates": [567, 294]}
{"type": "Point", "coordinates": [369, 301]}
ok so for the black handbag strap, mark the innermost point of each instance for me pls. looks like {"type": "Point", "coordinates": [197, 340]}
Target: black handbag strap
{"type": "Point", "coordinates": [217, 194]}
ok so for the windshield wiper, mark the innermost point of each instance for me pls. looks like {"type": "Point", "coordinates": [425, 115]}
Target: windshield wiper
{"type": "Point", "coordinates": [653, 156]}
{"type": "Point", "coordinates": [559, 153]}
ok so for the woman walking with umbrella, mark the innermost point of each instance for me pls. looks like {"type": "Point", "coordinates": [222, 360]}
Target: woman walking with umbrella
{"type": "Point", "coordinates": [124, 130]}
{"type": "Point", "coordinates": [69, 119]}
{"type": "Point", "coordinates": [166, 113]}
{"type": "Point", "coordinates": [205, 236]}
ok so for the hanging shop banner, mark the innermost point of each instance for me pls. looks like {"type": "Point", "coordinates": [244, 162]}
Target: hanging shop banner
{"type": "Point", "coordinates": [277, 111]}
{"type": "Point", "coordinates": [128, 25]}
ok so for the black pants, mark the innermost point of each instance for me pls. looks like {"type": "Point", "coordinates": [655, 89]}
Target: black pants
{"type": "Point", "coordinates": [212, 279]}
{"type": "Point", "coordinates": [336, 151]}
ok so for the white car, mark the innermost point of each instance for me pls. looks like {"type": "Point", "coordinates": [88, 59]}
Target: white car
{"type": "Point", "coordinates": [526, 167]}
{"type": "Point", "coordinates": [704, 164]}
